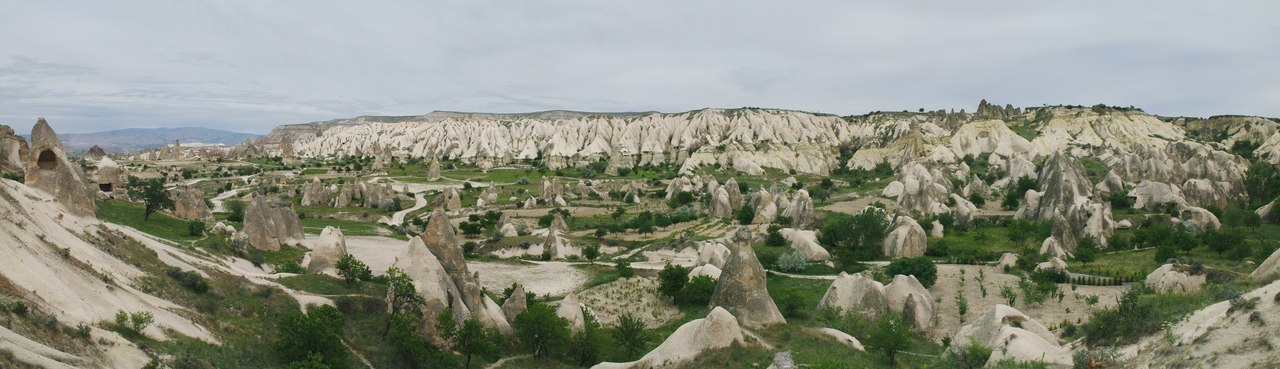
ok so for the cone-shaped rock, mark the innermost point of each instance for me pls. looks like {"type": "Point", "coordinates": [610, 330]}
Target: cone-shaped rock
{"type": "Point", "coordinates": [742, 287]}
{"type": "Point", "coordinates": [49, 170]}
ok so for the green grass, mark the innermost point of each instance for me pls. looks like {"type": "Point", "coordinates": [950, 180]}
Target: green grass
{"type": "Point", "coordinates": [327, 285]}
{"type": "Point", "coordinates": [131, 214]}
{"type": "Point", "coordinates": [349, 227]}
{"type": "Point", "coordinates": [314, 171]}
{"type": "Point", "coordinates": [1095, 169]}
{"type": "Point", "coordinates": [982, 243]}
{"type": "Point", "coordinates": [600, 274]}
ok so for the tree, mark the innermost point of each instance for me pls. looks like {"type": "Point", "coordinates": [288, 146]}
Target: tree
{"type": "Point", "coordinates": [618, 212]}
{"type": "Point", "coordinates": [1220, 241]}
{"type": "Point", "coordinates": [235, 210]}
{"type": "Point", "coordinates": [195, 228]}
{"type": "Point", "coordinates": [859, 234]}
{"type": "Point", "coordinates": [698, 290]}
{"type": "Point", "coordinates": [353, 270]}
{"type": "Point", "coordinates": [971, 356]}
{"type": "Point", "coordinates": [671, 280]}
{"type": "Point", "coordinates": [586, 343]}
{"type": "Point", "coordinates": [774, 238]}
{"type": "Point", "coordinates": [624, 268]}
{"type": "Point", "coordinates": [471, 339]}
{"type": "Point", "coordinates": [591, 252]}
{"type": "Point", "coordinates": [313, 361]}
{"type": "Point", "coordinates": [412, 347]}
{"type": "Point", "coordinates": [1182, 239]}
{"type": "Point", "coordinates": [318, 331]}
{"type": "Point", "coordinates": [745, 214]}
{"type": "Point", "coordinates": [1020, 230]}
{"type": "Point", "coordinates": [541, 330]}
{"type": "Point", "coordinates": [890, 335]}
{"type": "Point", "coordinates": [402, 296]}
{"type": "Point", "coordinates": [1086, 249]}
{"type": "Point", "coordinates": [152, 194]}
{"type": "Point", "coordinates": [1262, 183]}
{"type": "Point", "coordinates": [1008, 294]}
{"type": "Point", "coordinates": [630, 333]}
{"type": "Point", "coordinates": [921, 267]}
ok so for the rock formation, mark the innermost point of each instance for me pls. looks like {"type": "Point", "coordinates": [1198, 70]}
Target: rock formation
{"type": "Point", "coordinates": [906, 239]}
{"type": "Point", "coordinates": [742, 289]}
{"type": "Point", "coordinates": [721, 207]}
{"type": "Point", "coordinates": [1012, 335]}
{"type": "Point", "coordinates": [1174, 278]}
{"type": "Point", "coordinates": [445, 269]}
{"type": "Point", "coordinates": [570, 309]}
{"type": "Point", "coordinates": [807, 243]}
{"type": "Point", "coordinates": [719, 329]}
{"type": "Point", "coordinates": [49, 169]}
{"type": "Point", "coordinates": [328, 248]}
{"type": "Point", "coordinates": [908, 297]}
{"type": "Point", "coordinates": [13, 151]}
{"type": "Point", "coordinates": [189, 204]}
{"type": "Point", "coordinates": [270, 224]}
{"type": "Point", "coordinates": [801, 210]}
{"type": "Point", "coordinates": [856, 292]}
{"type": "Point", "coordinates": [517, 303]}
{"type": "Point", "coordinates": [433, 170]}
{"type": "Point", "coordinates": [1268, 268]}
{"type": "Point", "coordinates": [843, 338]}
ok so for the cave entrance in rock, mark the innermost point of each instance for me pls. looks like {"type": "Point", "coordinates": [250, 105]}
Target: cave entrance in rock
{"type": "Point", "coordinates": [104, 187]}
{"type": "Point", "coordinates": [47, 160]}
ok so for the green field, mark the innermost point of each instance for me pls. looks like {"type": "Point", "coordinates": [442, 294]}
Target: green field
{"type": "Point", "coordinates": [131, 214]}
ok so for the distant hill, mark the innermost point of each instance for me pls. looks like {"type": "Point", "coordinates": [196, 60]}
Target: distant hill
{"type": "Point", "coordinates": [134, 139]}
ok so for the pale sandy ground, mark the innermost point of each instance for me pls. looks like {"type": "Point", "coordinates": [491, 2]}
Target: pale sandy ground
{"type": "Point", "coordinates": [638, 295]}
{"type": "Point", "coordinates": [1215, 337]}
{"type": "Point", "coordinates": [545, 278]}
{"type": "Point", "coordinates": [219, 200]}
{"type": "Point", "coordinates": [856, 205]}
{"type": "Point", "coordinates": [379, 253]}
{"type": "Point", "coordinates": [1051, 313]}
{"type": "Point", "coordinates": [577, 211]}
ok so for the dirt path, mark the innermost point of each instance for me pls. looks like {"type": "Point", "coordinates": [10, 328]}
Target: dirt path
{"type": "Point", "coordinates": [419, 202]}
{"type": "Point", "coordinates": [222, 198]}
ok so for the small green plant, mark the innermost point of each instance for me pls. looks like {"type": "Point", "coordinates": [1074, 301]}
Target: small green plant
{"type": "Point", "coordinates": [1008, 294]}
{"type": "Point", "coordinates": [353, 270]}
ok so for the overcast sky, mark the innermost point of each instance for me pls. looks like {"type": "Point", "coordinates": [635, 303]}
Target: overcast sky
{"type": "Point", "coordinates": [252, 65]}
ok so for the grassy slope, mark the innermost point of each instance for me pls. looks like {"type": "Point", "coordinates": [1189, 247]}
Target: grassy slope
{"type": "Point", "coordinates": [131, 214]}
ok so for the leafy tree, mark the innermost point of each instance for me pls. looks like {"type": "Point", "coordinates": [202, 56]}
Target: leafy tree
{"type": "Point", "coordinates": [774, 238]}
{"type": "Point", "coordinates": [921, 267]}
{"type": "Point", "coordinates": [977, 199]}
{"type": "Point", "coordinates": [671, 280]}
{"type": "Point", "coordinates": [353, 270]}
{"type": "Point", "coordinates": [680, 199]}
{"type": "Point", "coordinates": [745, 215]}
{"type": "Point", "coordinates": [971, 356]}
{"type": "Point", "coordinates": [1261, 182]}
{"type": "Point", "coordinates": [472, 339]}
{"type": "Point", "coordinates": [591, 252]}
{"type": "Point", "coordinates": [411, 347]}
{"type": "Point", "coordinates": [235, 210]}
{"type": "Point", "coordinates": [624, 268]}
{"type": "Point", "coordinates": [1020, 230]}
{"type": "Point", "coordinates": [618, 212]}
{"type": "Point", "coordinates": [630, 334]}
{"type": "Point", "coordinates": [195, 228]}
{"type": "Point", "coordinates": [698, 290]}
{"type": "Point", "coordinates": [313, 361]}
{"type": "Point", "coordinates": [891, 335]}
{"type": "Point", "coordinates": [1220, 241]}
{"type": "Point", "coordinates": [859, 234]}
{"type": "Point", "coordinates": [318, 331]}
{"type": "Point", "coordinates": [1183, 240]}
{"type": "Point", "coordinates": [402, 296]}
{"type": "Point", "coordinates": [152, 194]}
{"type": "Point", "coordinates": [586, 344]}
{"type": "Point", "coordinates": [541, 330]}
{"type": "Point", "coordinates": [1086, 249]}
{"type": "Point", "coordinates": [790, 303]}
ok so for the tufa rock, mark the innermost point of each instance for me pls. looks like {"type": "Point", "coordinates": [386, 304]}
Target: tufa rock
{"type": "Point", "coordinates": [741, 288]}
{"type": "Point", "coordinates": [269, 224]}
{"type": "Point", "coordinates": [330, 247]}
{"type": "Point", "coordinates": [49, 169]}
{"type": "Point", "coordinates": [189, 204]}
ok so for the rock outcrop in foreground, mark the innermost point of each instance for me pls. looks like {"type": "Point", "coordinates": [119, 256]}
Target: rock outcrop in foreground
{"type": "Point", "coordinates": [719, 329]}
{"type": "Point", "coordinates": [330, 247]}
{"type": "Point", "coordinates": [742, 288]}
{"type": "Point", "coordinates": [270, 224]}
{"type": "Point", "coordinates": [48, 169]}
{"type": "Point", "coordinates": [1012, 335]}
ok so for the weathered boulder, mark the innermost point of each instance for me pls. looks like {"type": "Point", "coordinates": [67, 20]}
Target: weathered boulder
{"type": "Point", "coordinates": [976, 186]}
{"type": "Point", "coordinates": [709, 270]}
{"type": "Point", "coordinates": [433, 170]}
{"type": "Point", "coordinates": [49, 169]}
{"type": "Point", "coordinates": [1007, 260]}
{"type": "Point", "coordinates": [936, 229]}
{"type": "Point", "coordinates": [807, 243]}
{"type": "Point", "coordinates": [270, 224]}
{"type": "Point", "coordinates": [1054, 263]}
{"type": "Point", "coordinates": [328, 248]}
{"type": "Point", "coordinates": [721, 207]}
{"type": "Point", "coordinates": [1268, 268]}
{"type": "Point", "coordinates": [517, 303]}
{"type": "Point", "coordinates": [1012, 335]}
{"type": "Point", "coordinates": [1174, 278]}
{"type": "Point", "coordinates": [713, 252]}
{"type": "Point", "coordinates": [1147, 194]}
{"type": "Point", "coordinates": [719, 329]}
{"type": "Point", "coordinates": [13, 151]}
{"type": "Point", "coordinates": [856, 292]}
{"type": "Point", "coordinates": [909, 298]}
{"type": "Point", "coordinates": [1199, 219]}
{"type": "Point", "coordinates": [800, 210]}
{"type": "Point", "coordinates": [1052, 248]}
{"type": "Point", "coordinates": [742, 289]}
{"type": "Point", "coordinates": [843, 338]}
{"type": "Point", "coordinates": [735, 193]}
{"type": "Point", "coordinates": [765, 206]}
{"type": "Point", "coordinates": [189, 204]}
{"type": "Point", "coordinates": [906, 239]}
{"type": "Point", "coordinates": [963, 211]}
{"type": "Point", "coordinates": [570, 309]}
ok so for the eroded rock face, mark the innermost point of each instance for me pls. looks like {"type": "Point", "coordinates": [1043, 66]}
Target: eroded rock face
{"type": "Point", "coordinates": [1012, 335]}
{"type": "Point", "coordinates": [1174, 278]}
{"type": "Point", "coordinates": [765, 206]}
{"type": "Point", "coordinates": [1268, 268]}
{"type": "Point", "coordinates": [13, 151]}
{"type": "Point", "coordinates": [800, 210]}
{"type": "Point", "coordinates": [807, 243]}
{"type": "Point", "coordinates": [924, 191]}
{"type": "Point", "coordinates": [719, 329]}
{"type": "Point", "coordinates": [270, 224]}
{"type": "Point", "coordinates": [189, 204]}
{"type": "Point", "coordinates": [908, 297]}
{"type": "Point", "coordinates": [906, 239]}
{"type": "Point", "coordinates": [1199, 219]}
{"type": "Point", "coordinates": [742, 288]}
{"type": "Point", "coordinates": [329, 247]}
{"type": "Point", "coordinates": [433, 170]}
{"type": "Point", "coordinates": [570, 309]}
{"type": "Point", "coordinates": [720, 204]}
{"type": "Point", "coordinates": [856, 292]}
{"type": "Point", "coordinates": [48, 169]}
{"type": "Point", "coordinates": [515, 304]}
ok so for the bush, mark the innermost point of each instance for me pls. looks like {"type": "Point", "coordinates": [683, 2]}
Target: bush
{"type": "Point", "coordinates": [235, 209]}
{"type": "Point", "coordinates": [541, 330]}
{"type": "Point", "coordinates": [697, 292]}
{"type": "Point", "coordinates": [290, 267]}
{"type": "Point", "coordinates": [195, 228]}
{"type": "Point", "coordinates": [891, 335]}
{"type": "Point", "coordinates": [671, 280]}
{"type": "Point", "coordinates": [624, 269]}
{"type": "Point", "coordinates": [920, 267]}
{"type": "Point", "coordinates": [188, 279]}
{"type": "Point", "coordinates": [1095, 358]}
{"type": "Point", "coordinates": [794, 261]}
{"type": "Point", "coordinates": [745, 215]}
{"type": "Point", "coordinates": [318, 331]}
{"type": "Point", "coordinates": [774, 238]}
{"type": "Point", "coordinates": [353, 270]}
{"type": "Point", "coordinates": [791, 304]}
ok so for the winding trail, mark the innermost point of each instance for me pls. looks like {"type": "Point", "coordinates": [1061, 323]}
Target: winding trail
{"type": "Point", "coordinates": [420, 202]}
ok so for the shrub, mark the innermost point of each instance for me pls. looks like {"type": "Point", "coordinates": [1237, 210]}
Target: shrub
{"type": "Point", "coordinates": [671, 280]}
{"type": "Point", "coordinates": [318, 331]}
{"type": "Point", "coordinates": [920, 267]}
{"type": "Point", "coordinates": [188, 279]}
{"type": "Point", "coordinates": [541, 330]}
{"type": "Point", "coordinates": [774, 237]}
{"type": "Point", "coordinates": [353, 270]}
{"type": "Point", "coordinates": [290, 267]}
{"type": "Point", "coordinates": [624, 268]}
{"type": "Point", "coordinates": [195, 228]}
{"type": "Point", "coordinates": [745, 215]}
{"type": "Point", "coordinates": [630, 334]}
{"type": "Point", "coordinates": [697, 292]}
{"type": "Point", "coordinates": [891, 335]}
{"type": "Point", "coordinates": [794, 261]}
{"type": "Point", "coordinates": [1095, 358]}
{"type": "Point", "coordinates": [235, 210]}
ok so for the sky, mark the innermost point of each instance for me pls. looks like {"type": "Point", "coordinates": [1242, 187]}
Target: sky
{"type": "Point", "coordinates": [252, 65]}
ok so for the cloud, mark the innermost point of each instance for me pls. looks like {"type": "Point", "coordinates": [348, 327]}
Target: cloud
{"type": "Point", "coordinates": [251, 66]}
